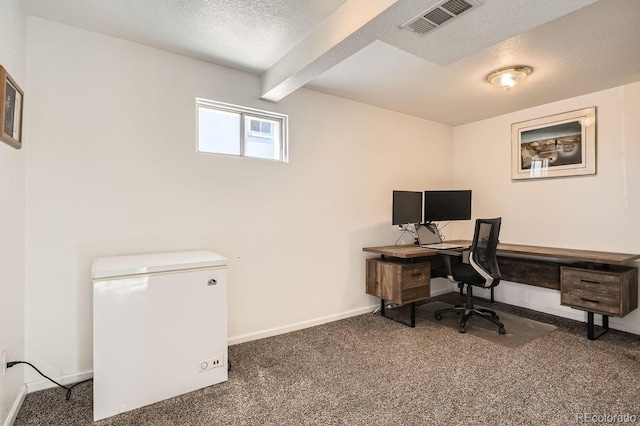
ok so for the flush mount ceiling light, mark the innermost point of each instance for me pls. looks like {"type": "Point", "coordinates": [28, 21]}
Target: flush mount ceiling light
{"type": "Point", "coordinates": [506, 78]}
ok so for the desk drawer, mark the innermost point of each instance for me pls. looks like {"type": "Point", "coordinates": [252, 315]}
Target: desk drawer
{"type": "Point", "coordinates": [398, 281]}
{"type": "Point", "coordinates": [415, 275]}
{"type": "Point", "coordinates": [611, 291]}
{"type": "Point", "coordinates": [416, 282]}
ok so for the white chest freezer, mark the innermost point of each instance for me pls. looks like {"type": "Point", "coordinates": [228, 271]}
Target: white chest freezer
{"type": "Point", "coordinates": [159, 327]}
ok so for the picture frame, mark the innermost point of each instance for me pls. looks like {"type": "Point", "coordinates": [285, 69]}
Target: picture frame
{"type": "Point", "coordinates": [11, 109]}
{"type": "Point", "coordinates": [558, 145]}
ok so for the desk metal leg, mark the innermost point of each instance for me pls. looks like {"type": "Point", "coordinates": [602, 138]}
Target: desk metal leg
{"type": "Point", "coordinates": [591, 333]}
{"type": "Point", "coordinates": [412, 314]}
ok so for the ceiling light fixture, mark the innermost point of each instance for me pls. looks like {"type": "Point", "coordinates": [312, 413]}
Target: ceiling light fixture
{"type": "Point", "coordinates": [506, 78]}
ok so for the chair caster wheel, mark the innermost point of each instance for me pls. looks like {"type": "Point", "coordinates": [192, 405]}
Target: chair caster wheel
{"type": "Point", "coordinates": [501, 330]}
{"type": "Point", "coordinates": [462, 330]}
{"type": "Point", "coordinates": [438, 317]}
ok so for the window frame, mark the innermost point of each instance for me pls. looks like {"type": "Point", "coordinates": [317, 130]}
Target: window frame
{"type": "Point", "coordinates": [247, 113]}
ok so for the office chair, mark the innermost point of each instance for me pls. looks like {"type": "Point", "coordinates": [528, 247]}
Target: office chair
{"type": "Point", "coordinates": [481, 271]}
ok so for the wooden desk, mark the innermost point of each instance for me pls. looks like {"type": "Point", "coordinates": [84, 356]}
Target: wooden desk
{"type": "Point", "coordinates": [513, 250]}
{"type": "Point", "coordinates": [592, 281]}
{"type": "Point", "coordinates": [401, 275]}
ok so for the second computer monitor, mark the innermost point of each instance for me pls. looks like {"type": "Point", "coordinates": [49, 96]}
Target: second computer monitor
{"type": "Point", "coordinates": [447, 205]}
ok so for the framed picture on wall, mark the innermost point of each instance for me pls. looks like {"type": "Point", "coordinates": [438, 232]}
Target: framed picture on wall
{"type": "Point", "coordinates": [554, 146]}
{"type": "Point", "coordinates": [10, 110]}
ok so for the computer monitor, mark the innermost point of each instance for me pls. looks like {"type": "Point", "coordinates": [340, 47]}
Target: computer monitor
{"type": "Point", "coordinates": [447, 205]}
{"type": "Point", "coordinates": [407, 207]}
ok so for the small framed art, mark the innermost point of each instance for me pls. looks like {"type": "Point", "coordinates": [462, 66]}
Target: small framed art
{"type": "Point", "coordinates": [10, 110]}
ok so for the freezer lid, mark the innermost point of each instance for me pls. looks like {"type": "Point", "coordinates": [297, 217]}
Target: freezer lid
{"type": "Point", "coordinates": [118, 266]}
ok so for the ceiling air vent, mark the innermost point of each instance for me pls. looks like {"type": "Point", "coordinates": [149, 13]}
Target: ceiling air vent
{"type": "Point", "coordinates": [438, 15]}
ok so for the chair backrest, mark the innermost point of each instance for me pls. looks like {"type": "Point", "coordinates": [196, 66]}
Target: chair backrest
{"type": "Point", "coordinates": [483, 250]}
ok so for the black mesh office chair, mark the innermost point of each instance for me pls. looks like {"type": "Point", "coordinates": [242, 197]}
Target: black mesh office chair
{"type": "Point", "coordinates": [481, 271]}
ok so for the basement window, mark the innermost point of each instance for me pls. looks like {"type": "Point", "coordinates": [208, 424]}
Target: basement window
{"type": "Point", "coordinates": [236, 130]}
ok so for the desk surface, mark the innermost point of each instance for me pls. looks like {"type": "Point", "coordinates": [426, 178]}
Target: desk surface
{"type": "Point", "coordinates": [574, 255]}
{"type": "Point", "coordinates": [410, 251]}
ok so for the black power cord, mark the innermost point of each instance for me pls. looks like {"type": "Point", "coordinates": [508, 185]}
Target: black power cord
{"type": "Point", "coordinates": [68, 389]}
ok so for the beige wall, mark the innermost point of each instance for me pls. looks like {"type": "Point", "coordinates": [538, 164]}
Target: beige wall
{"type": "Point", "coordinates": [12, 193]}
{"type": "Point", "coordinates": [597, 212]}
{"type": "Point", "coordinates": [112, 169]}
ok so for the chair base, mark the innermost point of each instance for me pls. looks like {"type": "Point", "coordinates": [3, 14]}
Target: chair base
{"type": "Point", "coordinates": [468, 310]}
{"type": "Point", "coordinates": [491, 299]}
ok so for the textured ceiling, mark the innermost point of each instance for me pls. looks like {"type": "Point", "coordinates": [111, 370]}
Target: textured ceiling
{"type": "Point", "coordinates": [594, 48]}
{"type": "Point", "coordinates": [245, 34]}
{"type": "Point", "coordinates": [355, 48]}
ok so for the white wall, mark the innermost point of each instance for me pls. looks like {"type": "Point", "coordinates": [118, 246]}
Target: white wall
{"type": "Point", "coordinates": [12, 193]}
{"type": "Point", "coordinates": [112, 169]}
{"type": "Point", "coordinates": [597, 212]}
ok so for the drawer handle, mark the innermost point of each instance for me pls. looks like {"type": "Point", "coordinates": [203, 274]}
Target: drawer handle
{"type": "Point", "coordinates": [417, 274]}
{"type": "Point", "coordinates": [589, 281]}
{"type": "Point", "coordinates": [590, 300]}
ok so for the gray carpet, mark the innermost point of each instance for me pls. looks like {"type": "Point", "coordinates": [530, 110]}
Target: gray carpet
{"type": "Point", "coordinates": [369, 370]}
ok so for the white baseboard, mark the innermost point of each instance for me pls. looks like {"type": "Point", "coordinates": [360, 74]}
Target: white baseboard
{"type": "Point", "coordinates": [15, 408]}
{"type": "Point", "coordinates": [68, 379]}
{"type": "Point", "coordinates": [436, 290]}
{"type": "Point", "coordinates": [438, 287]}
{"type": "Point", "coordinates": [623, 327]}
{"type": "Point", "coordinates": [298, 326]}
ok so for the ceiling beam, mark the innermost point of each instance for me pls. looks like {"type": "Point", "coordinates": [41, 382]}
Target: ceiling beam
{"type": "Point", "coordinates": [341, 35]}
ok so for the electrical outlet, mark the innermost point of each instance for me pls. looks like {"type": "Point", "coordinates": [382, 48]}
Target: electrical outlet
{"type": "Point", "coordinates": [4, 362]}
